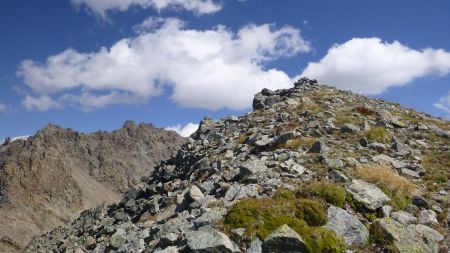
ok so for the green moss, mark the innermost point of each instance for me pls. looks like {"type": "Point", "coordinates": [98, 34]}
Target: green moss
{"type": "Point", "coordinates": [331, 193]}
{"type": "Point", "coordinates": [378, 134]}
{"type": "Point", "coordinates": [260, 217]}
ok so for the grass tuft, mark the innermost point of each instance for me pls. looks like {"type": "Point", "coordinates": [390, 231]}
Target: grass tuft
{"type": "Point", "coordinates": [398, 188]}
{"type": "Point", "coordinates": [378, 134]}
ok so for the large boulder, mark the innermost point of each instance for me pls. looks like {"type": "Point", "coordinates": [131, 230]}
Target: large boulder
{"type": "Point", "coordinates": [347, 226]}
{"type": "Point", "coordinates": [209, 240]}
{"type": "Point", "coordinates": [406, 239]}
{"type": "Point", "coordinates": [283, 240]}
{"type": "Point", "coordinates": [367, 194]}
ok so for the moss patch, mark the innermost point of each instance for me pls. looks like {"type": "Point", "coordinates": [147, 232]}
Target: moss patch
{"type": "Point", "coordinates": [331, 193]}
{"type": "Point", "coordinates": [260, 217]}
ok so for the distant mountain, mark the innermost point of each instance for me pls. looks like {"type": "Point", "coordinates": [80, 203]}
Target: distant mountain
{"type": "Point", "coordinates": [311, 169]}
{"type": "Point", "coordinates": [50, 177]}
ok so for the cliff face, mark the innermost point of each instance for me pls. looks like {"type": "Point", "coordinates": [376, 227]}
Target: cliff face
{"type": "Point", "coordinates": [311, 169]}
{"type": "Point", "coordinates": [52, 176]}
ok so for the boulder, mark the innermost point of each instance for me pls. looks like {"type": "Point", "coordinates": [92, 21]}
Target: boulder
{"type": "Point", "coordinates": [403, 217]}
{"type": "Point", "coordinates": [406, 239]}
{"type": "Point", "coordinates": [209, 240]}
{"type": "Point", "coordinates": [367, 194]}
{"type": "Point", "coordinates": [318, 147]}
{"type": "Point", "coordinates": [427, 217]}
{"type": "Point", "coordinates": [349, 128]}
{"type": "Point", "coordinates": [283, 240]}
{"type": "Point", "coordinates": [347, 226]}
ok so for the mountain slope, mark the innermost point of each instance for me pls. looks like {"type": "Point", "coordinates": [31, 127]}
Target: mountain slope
{"type": "Point", "coordinates": [311, 169]}
{"type": "Point", "coordinates": [49, 178]}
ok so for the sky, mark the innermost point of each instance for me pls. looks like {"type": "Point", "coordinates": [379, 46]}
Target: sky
{"type": "Point", "coordinates": [92, 64]}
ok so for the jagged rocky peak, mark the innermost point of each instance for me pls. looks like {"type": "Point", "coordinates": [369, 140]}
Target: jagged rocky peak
{"type": "Point", "coordinates": [311, 169]}
{"type": "Point", "coordinates": [49, 178]}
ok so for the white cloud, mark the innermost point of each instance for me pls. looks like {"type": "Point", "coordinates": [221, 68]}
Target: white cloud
{"type": "Point", "coordinates": [211, 69]}
{"type": "Point", "coordinates": [41, 103]}
{"type": "Point", "coordinates": [370, 66]}
{"type": "Point", "coordinates": [101, 7]}
{"type": "Point", "coordinates": [3, 107]}
{"type": "Point", "coordinates": [185, 131]}
{"type": "Point", "coordinates": [444, 103]}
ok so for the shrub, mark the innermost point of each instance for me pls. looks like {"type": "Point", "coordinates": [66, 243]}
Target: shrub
{"type": "Point", "coordinates": [260, 217]}
{"type": "Point", "coordinates": [364, 110]}
{"type": "Point", "coordinates": [395, 186]}
{"type": "Point", "coordinates": [331, 193]}
{"type": "Point", "coordinates": [378, 134]}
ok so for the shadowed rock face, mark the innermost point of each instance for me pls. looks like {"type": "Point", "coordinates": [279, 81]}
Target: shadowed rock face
{"type": "Point", "coordinates": [49, 178]}
{"type": "Point", "coordinates": [240, 178]}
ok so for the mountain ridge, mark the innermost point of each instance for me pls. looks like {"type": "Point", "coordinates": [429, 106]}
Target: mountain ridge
{"type": "Point", "coordinates": [311, 169]}
{"type": "Point", "coordinates": [50, 177]}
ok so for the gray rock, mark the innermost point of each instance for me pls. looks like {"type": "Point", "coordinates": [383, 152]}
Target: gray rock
{"type": "Point", "coordinates": [259, 101]}
{"type": "Point", "coordinates": [380, 147]}
{"type": "Point", "coordinates": [412, 238]}
{"type": "Point", "coordinates": [349, 128]}
{"type": "Point", "coordinates": [211, 216]}
{"type": "Point", "coordinates": [170, 249]}
{"type": "Point", "coordinates": [428, 217]}
{"type": "Point", "coordinates": [283, 138]}
{"type": "Point", "coordinates": [386, 210]}
{"type": "Point", "coordinates": [195, 194]}
{"type": "Point", "coordinates": [118, 238]}
{"type": "Point", "coordinates": [403, 217]}
{"type": "Point", "coordinates": [255, 246]}
{"type": "Point", "coordinates": [367, 194]}
{"type": "Point", "coordinates": [347, 226]}
{"type": "Point", "coordinates": [209, 240]}
{"type": "Point", "coordinates": [168, 239]}
{"type": "Point", "coordinates": [283, 240]}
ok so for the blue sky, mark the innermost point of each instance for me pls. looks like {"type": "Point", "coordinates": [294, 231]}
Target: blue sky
{"type": "Point", "coordinates": [92, 64]}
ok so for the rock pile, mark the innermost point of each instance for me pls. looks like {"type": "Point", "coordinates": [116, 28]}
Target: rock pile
{"type": "Point", "coordinates": [311, 169]}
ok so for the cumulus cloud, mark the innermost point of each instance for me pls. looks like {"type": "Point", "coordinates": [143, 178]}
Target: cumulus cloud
{"type": "Point", "coordinates": [185, 131]}
{"type": "Point", "coordinates": [41, 103]}
{"type": "Point", "coordinates": [211, 69]}
{"type": "Point", "coordinates": [370, 66]}
{"type": "Point", "coordinates": [101, 7]}
{"type": "Point", "coordinates": [444, 103]}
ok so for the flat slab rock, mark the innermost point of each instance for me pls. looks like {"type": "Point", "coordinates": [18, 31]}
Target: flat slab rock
{"type": "Point", "coordinates": [406, 239]}
{"type": "Point", "coordinates": [283, 240]}
{"type": "Point", "coordinates": [209, 240]}
{"type": "Point", "coordinates": [347, 226]}
{"type": "Point", "coordinates": [367, 194]}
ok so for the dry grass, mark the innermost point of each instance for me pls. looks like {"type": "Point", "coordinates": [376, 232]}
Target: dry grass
{"type": "Point", "coordinates": [378, 134]}
{"type": "Point", "coordinates": [299, 142]}
{"type": "Point", "coordinates": [242, 139]}
{"type": "Point", "coordinates": [398, 188]}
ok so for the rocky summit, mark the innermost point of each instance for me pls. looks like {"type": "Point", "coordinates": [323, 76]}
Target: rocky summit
{"type": "Point", "coordinates": [49, 178]}
{"type": "Point", "coordinates": [311, 169]}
